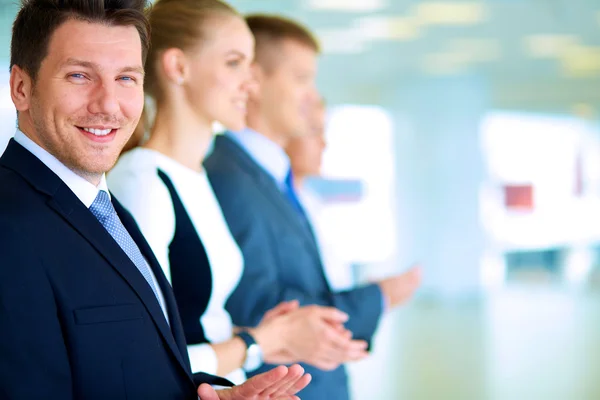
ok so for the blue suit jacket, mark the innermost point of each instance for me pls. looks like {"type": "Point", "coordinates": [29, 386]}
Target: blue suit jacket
{"type": "Point", "coordinates": [77, 319]}
{"type": "Point", "coordinates": [282, 260]}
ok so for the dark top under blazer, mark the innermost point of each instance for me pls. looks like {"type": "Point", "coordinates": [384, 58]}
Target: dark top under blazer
{"type": "Point", "coordinates": [77, 319]}
{"type": "Point", "coordinates": [191, 281]}
{"type": "Point", "coordinates": [282, 260]}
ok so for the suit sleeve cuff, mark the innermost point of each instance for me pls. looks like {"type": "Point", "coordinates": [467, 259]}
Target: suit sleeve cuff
{"type": "Point", "coordinates": [201, 377]}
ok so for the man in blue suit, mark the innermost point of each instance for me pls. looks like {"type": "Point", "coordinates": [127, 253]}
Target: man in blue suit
{"type": "Point", "coordinates": [250, 174]}
{"type": "Point", "coordinates": [85, 310]}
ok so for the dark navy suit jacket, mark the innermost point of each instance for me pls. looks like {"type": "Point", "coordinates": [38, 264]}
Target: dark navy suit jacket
{"type": "Point", "coordinates": [77, 319]}
{"type": "Point", "coordinates": [282, 260]}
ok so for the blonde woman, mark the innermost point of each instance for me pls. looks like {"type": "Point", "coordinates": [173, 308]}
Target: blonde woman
{"type": "Point", "coordinates": [198, 72]}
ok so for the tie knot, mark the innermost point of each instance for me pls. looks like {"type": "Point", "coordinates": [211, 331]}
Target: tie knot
{"type": "Point", "coordinates": [102, 207]}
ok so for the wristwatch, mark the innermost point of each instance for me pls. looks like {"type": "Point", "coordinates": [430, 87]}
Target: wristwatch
{"type": "Point", "coordinates": [254, 355]}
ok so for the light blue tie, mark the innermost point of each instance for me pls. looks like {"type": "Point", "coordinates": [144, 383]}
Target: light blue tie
{"type": "Point", "coordinates": [103, 209]}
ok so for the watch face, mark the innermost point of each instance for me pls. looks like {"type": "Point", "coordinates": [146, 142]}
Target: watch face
{"type": "Point", "coordinates": [254, 358]}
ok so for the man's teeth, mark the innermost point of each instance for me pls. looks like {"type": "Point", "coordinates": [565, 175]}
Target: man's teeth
{"type": "Point", "coordinates": [98, 132]}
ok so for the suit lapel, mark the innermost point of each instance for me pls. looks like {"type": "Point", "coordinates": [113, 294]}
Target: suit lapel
{"type": "Point", "coordinates": [176, 326]}
{"type": "Point", "coordinates": [64, 202]}
{"type": "Point", "coordinates": [269, 189]}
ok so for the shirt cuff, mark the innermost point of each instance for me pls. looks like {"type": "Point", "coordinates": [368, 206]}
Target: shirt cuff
{"type": "Point", "coordinates": [385, 302]}
{"type": "Point", "coordinates": [203, 358]}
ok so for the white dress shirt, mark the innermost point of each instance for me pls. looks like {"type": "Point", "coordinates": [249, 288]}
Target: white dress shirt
{"type": "Point", "coordinates": [268, 154]}
{"type": "Point", "coordinates": [84, 190]}
{"type": "Point", "coordinates": [136, 183]}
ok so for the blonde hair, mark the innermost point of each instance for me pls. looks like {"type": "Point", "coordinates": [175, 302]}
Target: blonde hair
{"type": "Point", "coordinates": [178, 24]}
{"type": "Point", "coordinates": [173, 24]}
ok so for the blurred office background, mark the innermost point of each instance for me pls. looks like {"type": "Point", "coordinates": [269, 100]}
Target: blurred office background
{"type": "Point", "coordinates": [464, 135]}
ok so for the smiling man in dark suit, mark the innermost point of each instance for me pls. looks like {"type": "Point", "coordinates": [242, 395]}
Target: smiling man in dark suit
{"type": "Point", "coordinates": [85, 310]}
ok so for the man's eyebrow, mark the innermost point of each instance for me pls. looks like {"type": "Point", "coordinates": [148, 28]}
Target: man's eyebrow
{"type": "Point", "coordinates": [91, 65]}
{"type": "Point", "coordinates": [138, 69]}
{"type": "Point", "coordinates": [79, 63]}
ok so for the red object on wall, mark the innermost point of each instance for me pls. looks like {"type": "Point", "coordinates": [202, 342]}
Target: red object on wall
{"type": "Point", "coordinates": [518, 197]}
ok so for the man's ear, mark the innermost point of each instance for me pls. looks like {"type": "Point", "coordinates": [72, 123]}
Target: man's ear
{"type": "Point", "coordinates": [257, 76]}
{"type": "Point", "coordinates": [21, 88]}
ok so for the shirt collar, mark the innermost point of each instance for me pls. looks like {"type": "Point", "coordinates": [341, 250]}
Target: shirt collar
{"type": "Point", "coordinates": [268, 154]}
{"type": "Point", "coordinates": [84, 190]}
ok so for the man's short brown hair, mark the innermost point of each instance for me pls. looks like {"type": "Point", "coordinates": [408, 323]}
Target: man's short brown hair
{"type": "Point", "coordinates": [271, 30]}
{"type": "Point", "coordinates": [37, 20]}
